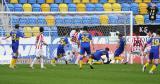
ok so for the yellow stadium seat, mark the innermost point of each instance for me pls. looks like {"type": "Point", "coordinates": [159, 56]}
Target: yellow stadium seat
{"type": "Point", "coordinates": [94, 1]}
{"type": "Point", "coordinates": [143, 8]}
{"type": "Point", "coordinates": [76, 1]}
{"type": "Point", "coordinates": [27, 31]}
{"type": "Point", "coordinates": [63, 7]}
{"type": "Point", "coordinates": [111, 1]}
{"type": "Point", "coordinates": [103, 19]}
{"type": "Point", "coordinates": [107, 7]}
{"type": "Point", "coordinates": [49, 1]}
{"type": "Point", "coordinates": [85, 1]}
{"type": "Point", "coordinates": [146, 1]}
{"type": "Point", "coordinates": [81, 7]}
{"type": "Point", "coordinates": [50, 20]}
{"type": "Point", "coordinates": [27, 7]}
{"type": "Point", "coordinates": [116, 7]}
{"type": "Point", "coordinates": [45, 8]}
{"type": "Point", "coordinates": [14, 1]}
{"type": "Point", "coordinates": [139, 19]}
{"type": "Point", "coordinates": [35, 31]}
{"type": "Point", "coordinates": [138, 1]}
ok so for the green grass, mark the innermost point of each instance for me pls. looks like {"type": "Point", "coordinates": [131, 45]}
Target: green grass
{"type": "Point", "coordinates": [70, 74]}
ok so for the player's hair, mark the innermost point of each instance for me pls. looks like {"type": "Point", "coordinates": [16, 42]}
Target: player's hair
{"type": "Point", "coordinates": [120, 35]}
{"type": "Point", "coordinates": [85, 28]}
{"type": "Point", "coordinates": [41, 29]}
{"type": "Point", "coordinates": [17, 26]}
{"type": "Point", "coordinates": [151, 31]}
{"type": "Point", "coordinates": [107, 48]}
{"type": "Point", "coordinates": [77, 30]}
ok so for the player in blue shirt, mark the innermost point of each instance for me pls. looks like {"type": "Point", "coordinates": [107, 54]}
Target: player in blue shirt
{"type": "Point", "coordinates": [120, 48]}
{"type": "Point", "coordinates": [15, 35]}
{"type": "Point", "coordinates": [155, 43]}
{"type": "Point", "coordinates": [85, 39]}
{"type": "Point", "coordinates": [60, 50]}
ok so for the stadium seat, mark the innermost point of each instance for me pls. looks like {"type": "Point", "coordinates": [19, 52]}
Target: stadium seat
{"type": "Point", "coordinates": [49, 1]}
{"type": "Point", "coordinates": [54, 7]}
{"type": "Point", "coordinates": [116, 7]}
{"type": "Point", "coordinates": [121, 1]}
{"type": "Point", "coordinates": [103, 1]}
{"type": "Point", "coordinates": [36, 7]}
{"type": "Point", "coordinates": [113, 19]}
{"type": "Point", "coordinates": [107, 7]}
{"type": "Point", "coordinates": [85, 1]}
{"type": "Point", "coordinates": [71, 7]}
{"type": "Point", "coordinates": [99, 7]}
{"type": "Point", "coordinates": [10, 7]}
{"type": "Point", "coordinates": [41, 1]}
{"type": "Point", "coordinates": [143, 8]}
{"type": "Point", "coordinates": [158, 19]}
{"type": "Point", "coordinates": [77, 20]}
{"type": "Point", "coordinates": [155, 1]}
{"type": "Point", "coordinates": [45, 8]}
{"type": "Point", "coordinates": [76, 1]}
{"type": "Point", "coordinates": [103, 19]}
{"type": "Point", "coordinates": [14, 1]}
{"type": "Point", "coordinates": [32, 20]}
{"type": "Point", "coordinates": [59, 20]}
{"type": "Point", "coordinates": [122, 19]}
{"type": "Point", "coordinates": [95, 20]}
{"type": "Point", "coordinates": [27, 31]}
{"type": "Point", "coordinates": [129, 1]}
{"type": "Point", "coordinates": [18, 8]}
{"type": "Point", "coordinates": [58, 1]}
{"type": "Point", "coordinates": [68, 20]}
{"type": "Point", "coordinates": [63, 7]}
{"type": "Point", "coordinates": [41, 21]}
{"type": "Point", "coordinates": [54, 32]}
{"type": "Point", "coordinates": [146, 19]}
{"type": "Point", "coordinates": [68, 1]}
{"type": "Point", "coordinates": [125, 7]}
{"type": "Point", "coordinates": [86, 20]}
{"type": "Point", "coordinates": [2, 32]}
{"type": "Point", "coordinates": [32, 1]}
{"type": "Point", "coordinates": [94, 1]}
{"type": "Point", "coordinates": [90, 7]}
{"type": "Point", "coordinates": [14, 20]}
{"type": "Point", "coordinates": [139, 19]}
{"type": "Point", "coordinates": [27, 7]}
{"type": "Point", "coordinates": [47, 31]}
{"type": "Point", "coordinates": [111, 1]}
{"type": "Point", "coordinates": [22, 1]}
{"type": "Point", "coordinates": [81, 7]}
{"type": "Point", "coordinates": [50, 20]}
{"type": "Point", "coordinates": [23, 20]}
{"type": "Point", "coordinates": [138, 1]}
{"type": "Point", "coordinates": [158, 5]}
{"type": "Point", "coordinates": [146, 1]}
{"type": "Point", "coordinates": [134, 8]}
{"type": "Point", "coordinates": [35, 31]}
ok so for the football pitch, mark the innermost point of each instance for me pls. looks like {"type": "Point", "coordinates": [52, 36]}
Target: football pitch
{"type": "Point", "coordinates": [70, 74]}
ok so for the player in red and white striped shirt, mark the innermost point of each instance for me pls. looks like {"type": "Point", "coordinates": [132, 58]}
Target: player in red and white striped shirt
{"type": "Point", "coordinates": [39, 48]}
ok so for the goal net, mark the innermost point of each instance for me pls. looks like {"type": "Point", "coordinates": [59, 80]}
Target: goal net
{"type": "Point", "coordinates": [102, 25]}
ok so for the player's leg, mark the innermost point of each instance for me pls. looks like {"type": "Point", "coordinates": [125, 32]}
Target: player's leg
{"type": "Point", "coordinates": [90, 61]}
{"type": "Point", "coordinates": [82, 52]}
{"type": "Point", "coordinates": [42, 58]}
{"type": "Point", "coordinates": [116, 56]}
{"type": "Point", "coordinates": [35, 59]}
{"type": "Point", "coordinates": [148, 62]}
{"type": "Point", "coordinates": [155, 64]}
{"type": "Point", "coordinates": [15, 56]}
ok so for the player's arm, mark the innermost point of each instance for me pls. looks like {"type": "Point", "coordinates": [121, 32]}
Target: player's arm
{"type": "Point", "coordinates": [6, 37]}
{"type": "Point", "coordinates": [148, 42]}
{"type": "Point", "coordinates": [91, 41]}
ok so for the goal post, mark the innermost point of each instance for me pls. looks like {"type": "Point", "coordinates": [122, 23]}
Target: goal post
{"type": "Point", "coordinates": [102, 25]}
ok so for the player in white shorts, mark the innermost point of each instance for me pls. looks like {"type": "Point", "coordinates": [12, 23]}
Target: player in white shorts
{"type": "Point", "coordinates": [39, 48]}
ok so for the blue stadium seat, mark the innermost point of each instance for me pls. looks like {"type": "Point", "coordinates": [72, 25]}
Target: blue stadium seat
{"type": "Point", "coordinates": [134, 8]}
{"type": "Point", "coordinates": [58, 1]}
{"type": "Point", "coordinates": [122, 19]}
{"type": "Point", "coordinates": [103, 1]}
{"type": "Point", "coordinates": [32, 1]}
{"type": "Point", "coordinates": [158, 19]}
{"type": "Point", "coordinates": [95, 19]}
{"type": "Point", "coordinates": [90, 7]}
{"type": "Point", "coordinates": [121, 1]}
{"type": "Point", "coordinates": [41, 21]}
{"type": "Point", "coordinates": [113, 19]}
{"type": "Point", "coordinates": [47, 31]}
{"type": "Point", "coordinates": [54, 7]}
{"type": "Point", "coordinates": [10, 7]}
{"type": "Point", "coordinates": [158, 5]}
{"type": "Point", "coordinates": [72, 7]}
{"type": "Point", "coordinates": [155, 1]}
{"type": "Point", "coordinates": [32, 20]}
{"type": "Point", "coordinates": [14, 20]}
{"type": "Point", "coordinates": [18, 8]}
{"type": "Point", "coordinates": [86, 20]}
{"type": "Point", "coordinates": [77, 20]}
{"type": "Point", "coordinates": [23, 20]}
{"type": "Point", "coordinates": [59, 20]}
{"type": "Point", "coordinates": [68, 20]}
{"type": "Point", "coordinates": [22, 1]}
{"type": "Point", "coordinates": [146, 19]}
{"type": "Point", "coordinates": [99, 7]}
{"type": "Point", "coordinates": [129, 1]}
{"type": "Point", "coordinates": [68, 1]}
{"type": "Point", "coordinates": [36, 7]}
{"type": "Point", "coordinates": [40, 1]}
{"type": "Point", "coordinates": [54, 32]}
{"type": "Point", "coordinates": [2, 31]}
{"type": "Point", "coordinates": [125, 7]}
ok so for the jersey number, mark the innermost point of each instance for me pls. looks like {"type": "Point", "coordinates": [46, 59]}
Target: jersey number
{"type": "Point", "coordinates": [85, 39]}
{"type": "Point", "coordinates": [155, 42]}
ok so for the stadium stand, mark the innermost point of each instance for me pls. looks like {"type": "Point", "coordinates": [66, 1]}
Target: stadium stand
{"type": "Point", "coordinates": [58, 1]}
{"type": "Point", "coordinates": [35, 31]}
{"type": "Point", "coordinates": [139, 19]}
{"type": "Point", "coordinates": [41, 1]}
{"type": "Point", "coordinates": [143, 8]}
{"type": "Point", "coordinates": [36, 8]}
{"type": "Point", "coordinates": [76, 1]}
{"type": "Point", "coordinates": [125, 7]}
{"type": "Point", "coordinates": [14, 1]}
{"type": "Point", "coordinates": [94, 1]}
{"type": "Point", "coordinates": [81, 7]}
{"type": "Point", "coordinates": [85, 1]}
{"type": "Point", "coordinates": [103, 1]}
{"type": "Point", "coordinates": [45, 7]}
{"type": "Point", "coordinates": [90, 7]}
{"type": "Point", "coordinates": [23, 1]}
{"type": "Point", "coordinates": [49, 1]}
{"type": "Point", "coordinates": [103, 19]}
{"type": "Point", "coordinates": [32, 1]}
{"type": "Point", "coordinates": [116, 7]}
{"type": "Point", "coordinates": [54, 7]}
{"type": "Point", "coordinates": [72, 7]}
{"type": "Point", "coordinates": [68, 1]}
{"type": "Point", "coordinates": [63, 7]}
{"type": "Point", "coordinates": [111, 1]}
{"type": "Point", "coordinates": [27, 31]}
{"type": "Point", "coordinates": [27, 7]}
{"type": "Point", "coordinates": [50, 20]}
{"type": "Point", "coordinates": [18, 8]}
{"type": "Point", "coordinates": [138, 1]}
{"type": "Point", "coordinates": [107, 7]}
{"type": "Point", "coordinates": [99, 7]}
